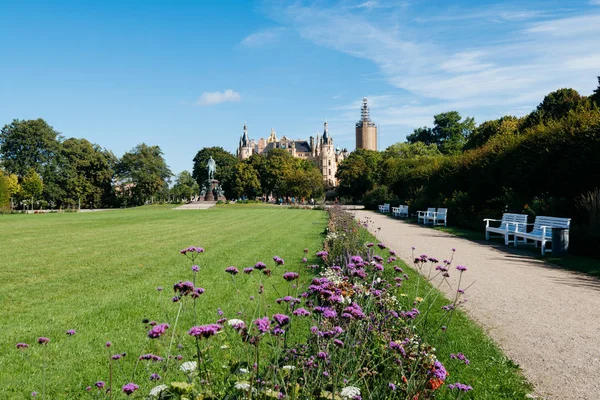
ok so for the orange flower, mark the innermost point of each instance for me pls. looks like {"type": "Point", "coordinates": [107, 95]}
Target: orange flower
{"type": "Point", "coordinates": [404, 379]}
{"type": "Point", "coordinates": [435, 383]}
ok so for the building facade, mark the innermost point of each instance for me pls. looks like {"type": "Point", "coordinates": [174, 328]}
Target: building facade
{"type": "Point", "coordinates": [319, 149]}
{"type": "Point", "coordinates": [366, 130]}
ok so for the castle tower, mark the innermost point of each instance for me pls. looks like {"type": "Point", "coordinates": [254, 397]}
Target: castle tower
{"type": "Point", "coordinates": [327, 160]}
{"type": "Point", "coordinates": [366, 130]}
{"type": "Point", "coordinates": [245, 149]}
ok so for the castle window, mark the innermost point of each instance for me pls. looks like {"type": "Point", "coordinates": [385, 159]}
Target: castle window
{"type": "Point", "coordinates": [329, 171]}
{"type": "Point", "coordinates": [330, 163]}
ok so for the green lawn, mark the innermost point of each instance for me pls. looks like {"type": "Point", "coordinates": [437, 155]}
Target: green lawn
{"type": "Point", "coordinates": [98, 272]}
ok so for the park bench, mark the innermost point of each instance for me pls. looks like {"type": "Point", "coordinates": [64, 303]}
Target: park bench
{"type": "Point", "coordinates": [423, 215]}
{"type": "Point", "coordinates": [400, 211]}
{"type": "Point", "coordinates": [509, 224]}
{"type": "Point", "coordinates": [441, 215]}
{"type": "Point", "coordinates": [542, 231]}
{"type": "Point", "coordinates": [385, 208]}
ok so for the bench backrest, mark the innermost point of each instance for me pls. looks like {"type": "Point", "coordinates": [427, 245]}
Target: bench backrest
{"type": "Point", "coordinates": [520, 219]}
{"type": "Point", "coordinates": [441, 213]}
{"type": "Point", "coordinates": [403, 208]}
{"type": "Point", "coordinates": [430, 210]}
{"type": "Point", "coordinates": [554, 222]}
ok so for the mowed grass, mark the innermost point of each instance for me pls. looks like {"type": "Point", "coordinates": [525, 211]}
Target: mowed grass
{"type": "Point", "coordinates": [98, 272]}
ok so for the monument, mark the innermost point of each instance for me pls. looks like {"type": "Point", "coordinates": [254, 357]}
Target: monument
{"type": "Point", "coordinates": [212, 190]}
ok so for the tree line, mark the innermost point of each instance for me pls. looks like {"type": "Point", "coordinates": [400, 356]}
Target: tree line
{"type": "Point", "coordinates": [544, 163]}
{"type": "Point", "coordinates": [39, 168]}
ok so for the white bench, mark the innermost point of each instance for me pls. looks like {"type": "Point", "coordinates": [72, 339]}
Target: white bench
{"type": "Point", "coordinates": [400, 211]}
{"type": "Point", "coordinates": [509, 224]}
{"type": "Point", "coordinates": [384, 208]}
{"type": "Point", "coordinates": [542, 231]}
{"type": "Point", "coordinates": [423, 215]}
{"type": "Point", "coordinates": [441, 215]}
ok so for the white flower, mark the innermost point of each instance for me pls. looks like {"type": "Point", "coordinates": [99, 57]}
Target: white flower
{"type": "Point", "coordinates": [224, 347]}
{"type": "Point", "coordinates": [288, 367]}
{"type": "Point", "coordinates": [188, 366]}
{"type": "Point", "coordinates": [156, 391]}
{"type": "Point", "coordinates": [244, 371]}
{"type": "Point", "coordinates": [350, 392]}
{"type": "Point", "coordinates": [244, 386]}
{"type": "Point", "coordinates": [236, 323]}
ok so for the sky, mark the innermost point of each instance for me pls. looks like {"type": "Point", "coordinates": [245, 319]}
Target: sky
{"type": "Point", "coordinates": [185, 75]}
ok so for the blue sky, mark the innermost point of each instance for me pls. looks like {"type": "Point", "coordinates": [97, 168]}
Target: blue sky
{"type": "Point", "coordinates": [187, 74]}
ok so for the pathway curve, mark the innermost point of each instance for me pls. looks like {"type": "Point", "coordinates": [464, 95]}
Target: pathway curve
{"type": "Point", "coordinates": [545, 319]}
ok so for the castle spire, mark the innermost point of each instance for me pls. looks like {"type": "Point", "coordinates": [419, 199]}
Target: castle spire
{"type": "Point", "coordinates": [364, 112]}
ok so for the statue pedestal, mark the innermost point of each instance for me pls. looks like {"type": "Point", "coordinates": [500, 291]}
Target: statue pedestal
{"type": "Point", "coordinates": [210, 196]}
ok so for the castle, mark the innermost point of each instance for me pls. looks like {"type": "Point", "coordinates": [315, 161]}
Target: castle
{"type": "Point", "coordinates": [319, 150]}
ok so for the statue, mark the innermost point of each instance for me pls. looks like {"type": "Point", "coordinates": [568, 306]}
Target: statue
{"type": "Point", "coordinates": [203, 192]}
{"type": "Point", "coordinates": [211, 167]}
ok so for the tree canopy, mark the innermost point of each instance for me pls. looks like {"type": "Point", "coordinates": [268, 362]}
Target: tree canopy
{"type": "Point", "coordinates": [143, 172]}
{"type": "Point", "coordinates": [449, 133]}
{"type": "Point", "coordinates": [225, 162]}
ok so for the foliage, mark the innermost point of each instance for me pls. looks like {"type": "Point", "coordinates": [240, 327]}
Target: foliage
{"type": "Point", "coordinates": [596, 95]}
{"type": "Point", "coordinates": [556, 106]}
{"type": "Point", "coordinates": [358, 173]}
{"type": "Point", "coordinates": [225, 167]}
{"type": "Point", "coordinates": [31, 186]}
{"type": "Point", "coordinates": [4, 193]}
{"type": "Point", "coordinates": [142, 173]}
{"type": "Point", "coordinates": [449, 132]}
{"type": "Point", "coordinates": [246, 182]}
{"type": "Point", "coordinates": [379, 195]}
{"type": "Point", "coordinates": [27, 144]}
{"type": "Point", "coordinates": [89, 172]}
{"type": "Point", "coordinates": [185, 186]}
{"type": "Point", "coordinates": [507, 125]}
{"type": "Point", "coordinates": [411, 150]}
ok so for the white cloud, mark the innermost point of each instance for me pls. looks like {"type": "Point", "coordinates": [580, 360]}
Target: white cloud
{"type": "Point", "coordinates": [262, 38]}
{"type": "Point", "coordinates": [210, 98]}
{"type": "Point", "coordinates": [595, 2]}
{"type": "Point", "coordinates": [509, 71]}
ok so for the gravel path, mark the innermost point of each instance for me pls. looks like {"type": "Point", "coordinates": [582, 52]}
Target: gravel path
{"type": "Point", "coordinates": [545, 319]}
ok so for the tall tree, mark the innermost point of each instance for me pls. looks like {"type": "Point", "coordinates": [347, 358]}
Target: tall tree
{"type": "Point", "coordinates": [555, 106]}
{"type": "Point", "coordinates": [225, 162]}
{"type": "Point", "coordinates": [185, 186]}
{"type": "Point", "coordinates": [411, 150]}
{"type": "Point", "coordinates": [502, 126]}
{"type": "Point", "coordinates": [596, 95]}
{"type": "Point", "coordinates": [245, 181]}
{"type": "Point", "coordinates": [358, 173]}
{"type": "Point", "coordinates": [143, 172]}
{"type": "Point", "coordinates": [449, 133]}
{"type": "Point", "coordinates": [26, 144]}
{"type": "Point", "coordinates": [89, 172]}
{"type": "Point", "coordinates": [31, 186]}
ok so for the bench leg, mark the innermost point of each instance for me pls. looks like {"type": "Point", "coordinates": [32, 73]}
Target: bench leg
{"type": "Point", "coordinates": [487, 235]}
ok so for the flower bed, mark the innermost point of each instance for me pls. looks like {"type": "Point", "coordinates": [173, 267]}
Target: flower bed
{"type": "Point", "coordinates": [353, 333]}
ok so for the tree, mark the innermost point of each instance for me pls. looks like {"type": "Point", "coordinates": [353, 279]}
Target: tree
{"type": "Point", "coordinates": [185, 186]}
{"type": "Point", "coordinates": [411, 150]}
{"type": "Point", "coordinates": [88, 170]}
{"type": "Point", "coordinates": [279, 164]}
{"type": "Point", "coordinates": [26, 144]}
{"type": "Point", "coordinates": [143, 172]}
{"type": "Point", "coordinates": [245, 181]}
{"type": "Point", "coordinates": [31, 185]}
{"type": "Point", "coordinates": [225, 162]}
{"type": "Point", "coordinates": [449, 132]}
{"type": "Point", "coordinates": [304, 180]}
{"type": "Point", "coordinates": [358, 173]}
{"type": "Point", "coordinates": [502, 126]}
{"type": "Point", "coordinates": [555, 106]}
{"type": "Point", "coordinates": [596, 95]}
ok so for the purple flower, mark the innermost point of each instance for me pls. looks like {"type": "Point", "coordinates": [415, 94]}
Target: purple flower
{"type": "Point", "coordinates": [392, 252]}
{"type": "Point", "coordinates": [460, 386]}
{"type": "Point", "coordinates": [22, 345]}
{"type": "Point", "coordinates": [159, 288]}
{"type": "Point", "coordinates": [267, 272]}
{"type": "Point", "coordinates": [381, 245]}
{"type": "Point", "coordinates": [100, 384]}
{"type": "Point", "coordinates": [88, 388]}
{"type": "Point", "coordinates": [155, 377]}
{"type": "Point", "coordinates": [33, 394]}
{"type": "Point", "coordinates": [278, 260]}
{"type": "Point", "coordinates": [281, 319]}
{"type": "Point", "coordinates": [150, 357]}
{"type": "Point", "coordinates": [461, 268]}
{"type": "Point", "coordinates": [204, 331]}
{"type": "Point", "coordinates": [338, 342]}
{"type": "Point", "coordinates": [116, 357]}
{"type": "Point", "coordinates": [392, 386]}
{"type": "Point", "coordinates": [108, 344]}
{"type": "Point", "coordinates": [322, 355]}
{"type": "Point", "coordinates": [219, 312]}
{"type": "Point", "coordinates": [263, 324]}
{"type": "Point", "coordinates": [301, 312]}
{"type": "Point", "coordinates": [260, 265]}
{"type": "Point", "coordinates": [130, 388]}
{"type": "Point", "coordinates": [322, 254]}
{"type": "Point", "coordinates": [370, 244]}
{"type": "Point", "coordinates": [184, 288]}
{"type": "Point", "coordinates": [290, 276]}
{"type": "Point", "coordinates": [157, 331]}
{"type": "Point", "coordinates": [195, 268]}
{"type": "Point", "coordinates": [71, 332]}
{"type": "Point", "coordinates": [248, 270]}
{"type": "Point", "coordinates": [197, 292]}
{"type": "Point", "coordinates": [304, 260]}
{"type": "Point", "coordinates": [439, 371]}
{"type": "Point", "coordinates": [232, 270]}
{"type": "Point", "coordinates": [175, 299]}
{"type": "Point", "coordinates": [306, 250]}
{"type": "Point", "coordinates": [43, 340]}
